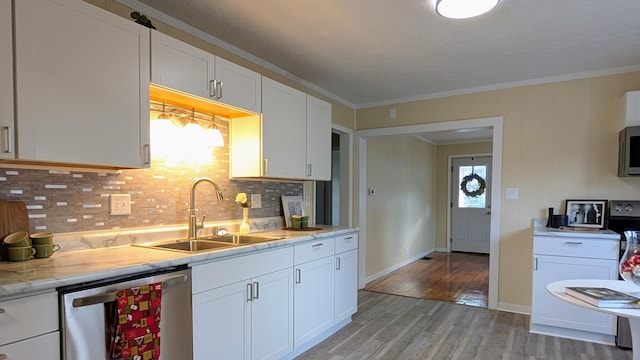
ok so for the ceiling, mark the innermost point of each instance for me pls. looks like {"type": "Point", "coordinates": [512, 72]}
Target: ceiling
{"type": "Point", "coordinates": [378, 52]}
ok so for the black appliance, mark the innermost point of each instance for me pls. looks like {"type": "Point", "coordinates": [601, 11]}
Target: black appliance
{"type": "Point", "coordinates": [629, 151]}
{"type": "Point", "coordinates": [624, 215]}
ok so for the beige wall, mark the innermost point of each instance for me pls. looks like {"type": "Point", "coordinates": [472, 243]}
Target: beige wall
{"type": "Point", "coordinates": [442, 181]}
{"type": "Point", "coordinates": [401, 214]}
{"type": "Point", "coordinates": [342, 114]}
{"type": "Point", "coordinates": [560, 142]}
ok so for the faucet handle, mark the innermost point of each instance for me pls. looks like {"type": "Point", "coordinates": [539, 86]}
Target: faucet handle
{"type": "Point", "coordinates": [201, 225]}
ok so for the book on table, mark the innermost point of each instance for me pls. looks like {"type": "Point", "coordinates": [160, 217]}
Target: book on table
{"type": "Point", "coordinates": [603, 297]}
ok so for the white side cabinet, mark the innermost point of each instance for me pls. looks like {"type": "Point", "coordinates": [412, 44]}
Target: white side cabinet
{"type": "Point", "coordinates": [7, 125]}
{"type": "Point", "coordinates": [318, 139]}
{"type": "Point", "coordinates": [243, 307]}
{"type": "Point", "coordinates": [346, 277]}
{"type": "Point", "coordinates": [29, 328]}
{"type": "Point", "coordinates": [82, 85]}
{"type": "Point", "coordinates": [314, 289]}
{"type": "Point", "coordinates": [562, 258]}
{"type": "Point", "coordinates": [186, 68]}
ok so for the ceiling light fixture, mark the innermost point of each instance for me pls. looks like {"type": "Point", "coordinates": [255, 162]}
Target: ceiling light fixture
{"type": "Point", "coordinates": [464, 9]}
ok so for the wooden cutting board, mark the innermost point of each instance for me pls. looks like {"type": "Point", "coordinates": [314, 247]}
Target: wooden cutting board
{"type": "Point", "coordinates": [13, 217]}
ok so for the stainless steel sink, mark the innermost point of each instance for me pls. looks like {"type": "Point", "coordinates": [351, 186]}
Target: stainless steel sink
{"type": "Point", "coordinates": [187, 245]}
{"type": "Point", "coordinates": [237, 239]}
{"type": "Point", "coordinates": [208, 243]}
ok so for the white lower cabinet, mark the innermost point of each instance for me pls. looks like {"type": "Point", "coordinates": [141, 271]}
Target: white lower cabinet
{"type": "Point", "coordinates": [314, 291]}
{"type": "Point", "coordinates": [29, 328]}
{"type": "Point", "coordinates": [564, 258]}
{"type": "Point", "coordinates": [346, 285]}
{"type": "Point", "coordinates": [243, 307]}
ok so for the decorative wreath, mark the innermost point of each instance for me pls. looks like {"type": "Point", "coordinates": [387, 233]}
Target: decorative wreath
{"type": "Point", "coordinates": [470, 188]}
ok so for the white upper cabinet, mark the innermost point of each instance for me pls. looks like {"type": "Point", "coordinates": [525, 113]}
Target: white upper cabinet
{"type": "Point", "coordinates": [292, 139]}
{"type": "Point", "coordinates": [180, 66]}
{"type": "Point", "coordinates": [82, 85]}
{"type": "Point", "coordinates": [7, 126]}
{"type": "Point", "coordinates": [318, 139]}
{"type": "Point", "coordinates": [188, 69]}
{"type": "Point", "coordinates": [284, 136]}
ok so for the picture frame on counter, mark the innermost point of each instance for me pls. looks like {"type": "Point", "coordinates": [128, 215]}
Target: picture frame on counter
{"type": "Point", "coordinates": [292, 205]}
{"type": "Point", "coordinates": [586, 213]}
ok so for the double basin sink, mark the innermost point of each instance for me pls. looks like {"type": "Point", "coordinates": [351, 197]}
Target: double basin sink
{"type": "Point", "coordinates": [208, 243]}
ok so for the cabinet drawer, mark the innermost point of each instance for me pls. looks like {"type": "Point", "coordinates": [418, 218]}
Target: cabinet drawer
{"type": "Point", "coordinates": [313, 250]}
{"type": "Point", "coordinates": [576, 247]}
{"type": "Point", "coordinates": [346, 242]}
{"type": "Point", "coordinates": [45, 347]}
{"type": "Point", "coordinates": [218, 273]}
{"type": "Point", "coordinates": [27, 317]}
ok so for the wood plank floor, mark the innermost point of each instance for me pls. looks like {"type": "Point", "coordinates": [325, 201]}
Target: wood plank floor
{"type": "Point", "coordinates": [398, 328]}
{"type": "Point", "coordinates": [461, 278]}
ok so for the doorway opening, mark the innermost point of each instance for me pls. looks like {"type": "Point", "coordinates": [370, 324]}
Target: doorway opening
{"type": "Point", "coordinates": [328, 192]}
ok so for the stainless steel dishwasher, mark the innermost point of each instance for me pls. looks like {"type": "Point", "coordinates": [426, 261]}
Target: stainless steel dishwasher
{"type": "Point", "coordinates": [83, 313]}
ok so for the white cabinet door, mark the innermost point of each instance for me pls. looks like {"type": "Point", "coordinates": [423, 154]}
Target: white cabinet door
{"type": "Point", "coordinates": [283, 130]}
{"type": "Point", "coordinates": [221, 322]}
{"type": "Point", "coordinates": [346, 285]}
{"type": "Point", "coordinates": [313, 305]}
{"type": "Point", "coordinates": [180, 66]}
{"type": "Point", "coordinates": [318, 139]}
{"type": "Point", "coordinates": [43, 347]}
{"type": "Point", "coordinates": [82, 85]}
{"type": "Point", "coordinates": [7, 126]}
{"type": "Point", "coordinates": [272, 315]}
{"type": "Point", "coordinates": [548, 310]}
{"type": "Point", "coordinates": [240, 87]}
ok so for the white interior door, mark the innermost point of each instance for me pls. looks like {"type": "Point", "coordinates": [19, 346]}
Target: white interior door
{"type": "Point", "coordinates": [471, 204]}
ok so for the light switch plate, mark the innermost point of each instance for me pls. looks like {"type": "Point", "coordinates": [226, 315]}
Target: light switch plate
{"type": "Point", "coordinates": [256, 201]}
{"type": "Point", "coordinates": [120, 204]}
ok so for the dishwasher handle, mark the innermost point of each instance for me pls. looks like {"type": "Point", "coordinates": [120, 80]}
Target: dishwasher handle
{"type": "Point", "coordinates": [111, 296]}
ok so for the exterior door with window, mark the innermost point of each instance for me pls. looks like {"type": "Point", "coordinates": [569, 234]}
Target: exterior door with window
{"type": "Point", "coordinates": [471, 204]}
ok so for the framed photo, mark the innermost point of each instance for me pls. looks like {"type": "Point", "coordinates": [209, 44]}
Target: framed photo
{"type": "Point", "coordinates": [586, 213]}
{"type": "Point", "coordinates": [292, 205]}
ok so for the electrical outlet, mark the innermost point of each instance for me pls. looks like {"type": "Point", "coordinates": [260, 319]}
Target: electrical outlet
{"type": "Point", "coordinates": [256, 201]}
{"type": "Point", "coordinates": [120, 204]}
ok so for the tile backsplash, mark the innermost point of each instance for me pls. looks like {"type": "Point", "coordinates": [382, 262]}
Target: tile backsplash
{"type": "Point", "coordinates": [70, 201]}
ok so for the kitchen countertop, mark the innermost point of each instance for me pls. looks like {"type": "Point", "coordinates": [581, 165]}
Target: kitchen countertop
{"type": "Point", "coordinates": [600, 234]}
{"type": "Point", "coordinates": [68, 268]}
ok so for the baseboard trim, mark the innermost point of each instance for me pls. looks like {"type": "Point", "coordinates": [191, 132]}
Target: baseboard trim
{"type": "Point", "coordinates": [518, 309]}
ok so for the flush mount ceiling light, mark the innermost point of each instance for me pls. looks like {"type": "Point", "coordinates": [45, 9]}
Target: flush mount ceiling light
{"type": "Point", "coordinates": [463, 9]}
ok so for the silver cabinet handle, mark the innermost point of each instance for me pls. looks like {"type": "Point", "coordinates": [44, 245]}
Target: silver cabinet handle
{"type": "Point", "coordinates": [573, 242]}
{"type": "Point", "coordinates": [8, 137]}
{"type": "Point", "coordinates": [337, 263]}
{"type": "Point", "coordinates": [317, 245]}
{"type": "Point", "coordinates": [298, 276]}
{"type": "Point", "coordinates": [266, 166]}
{"type": "Point", "coordinates": [256, 294]}
{"type": "Point", "coordinates": [219, 89]}
{"type": "Point", "coordinates": [349, 238]}
{"type": "Point", "coordinates": [249, 292]}
{"type": "Point", "coordinates": [147, 154]}
{"type": "Point", "coordinates": [309, 170]}
{"type": "Point", "coordinates": [212, 88]}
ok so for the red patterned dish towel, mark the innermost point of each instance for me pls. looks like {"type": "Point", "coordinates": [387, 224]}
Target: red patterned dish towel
{"type": "Point", "coordinates": [135, 323]}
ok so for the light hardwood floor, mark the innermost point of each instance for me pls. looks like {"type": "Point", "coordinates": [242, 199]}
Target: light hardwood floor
{"type": "Point", "coordinates": [398, 327]}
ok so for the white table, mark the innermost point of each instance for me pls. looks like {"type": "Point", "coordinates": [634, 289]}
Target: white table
{"type": "Point", "coordinates": [557, 289]}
